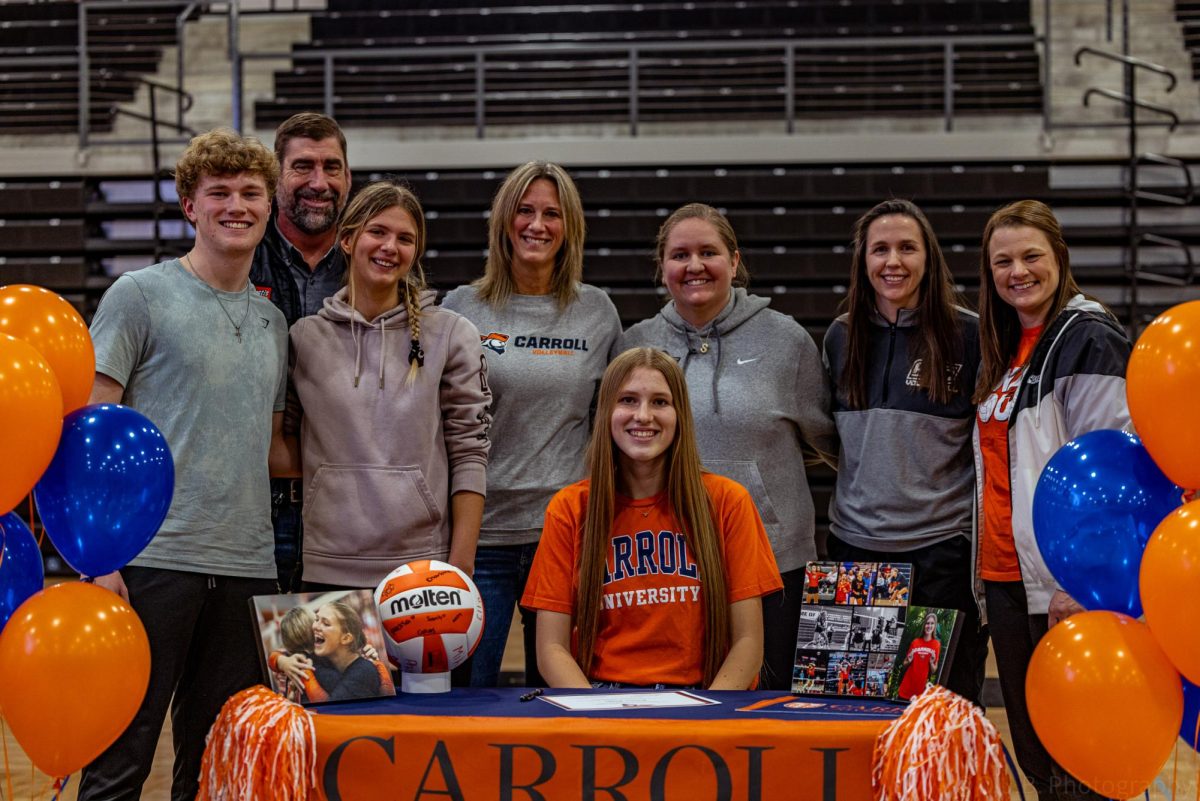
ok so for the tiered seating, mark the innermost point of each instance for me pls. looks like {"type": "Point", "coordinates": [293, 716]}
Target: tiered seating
{"type": "Point", "coordinates": [1188, 14]}
{"type": "Point", "coordinates": [567, 80]}
{"type": "Point", "coordinates": [42, 234]}
{"type": "Point", "coordinates": [793, 222]}
{"type": "Point", "coordinates": [39, 72]}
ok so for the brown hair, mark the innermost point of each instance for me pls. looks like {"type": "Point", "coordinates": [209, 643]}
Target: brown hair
{"type": "Point", "coordinates": [938, 342]}
{"type": "Point", "coordinates": [689, 501]}
{"type": "Point", "coordinates": [699, 211]}
{"type": "Point", "coordinates": [307, 125]}
{"type": "Point", "coordinates": [497, 285]}
{"type": "Point", "coordinates": [999, 325]}
{"type": "Point", "coordinates": [222, 152]}
{"type": "Point", "coordinates": [373, 200]}
{"type": "Point", "coordinates": [351, 623]}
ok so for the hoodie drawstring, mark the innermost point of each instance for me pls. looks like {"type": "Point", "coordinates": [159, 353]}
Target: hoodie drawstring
{"type": "Point", "coordinates": [712, 334]}
{"type": "Point", "coordinates": [357, 337]}
{"type": "Point", "coordinates": [382, 348]}
{"type": "Point", "coordinates": [357, 350]}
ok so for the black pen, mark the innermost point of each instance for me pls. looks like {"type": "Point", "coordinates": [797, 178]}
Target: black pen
{"type": "Point", "coordinates": [529, 696]}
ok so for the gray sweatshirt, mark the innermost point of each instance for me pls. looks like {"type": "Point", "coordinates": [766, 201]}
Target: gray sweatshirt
{"type": "Point", "coordinates": [761, 405]}
{"type": "Point", "coordinates": [544, 367]}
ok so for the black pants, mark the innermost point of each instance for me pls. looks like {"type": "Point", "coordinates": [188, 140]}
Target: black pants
{"type": "Point", "coordinates": [1015, 634]}
{"type": "Point", "coordinates": [781, 623]}
{"type": "Point", "coordinates": [943, 575]}
{"type": "Point", "coordinates": [203, 649]}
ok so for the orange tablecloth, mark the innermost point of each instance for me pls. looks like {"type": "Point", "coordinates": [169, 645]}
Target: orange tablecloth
{"type": "Point", "coordinates": [487, 745]}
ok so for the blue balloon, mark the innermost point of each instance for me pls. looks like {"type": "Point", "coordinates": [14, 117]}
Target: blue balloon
{"type": "Point", "coordinates": [1191, 712]}
{"type": "Point", "coordinates": [1097, 502]}
{"type": "Point", "coordinates": [108, 488]}
{"type": "Point", "coordinates": [21, 573]}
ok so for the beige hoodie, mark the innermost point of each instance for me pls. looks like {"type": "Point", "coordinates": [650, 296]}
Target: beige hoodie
{"type": "Point", "coordinates": [381, 456]}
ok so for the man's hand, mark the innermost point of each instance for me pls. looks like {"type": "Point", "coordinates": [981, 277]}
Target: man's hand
{"type": "Point", "coordinates": [1062, 606]}
{"type": "Point", "coordinates": [113, 583]}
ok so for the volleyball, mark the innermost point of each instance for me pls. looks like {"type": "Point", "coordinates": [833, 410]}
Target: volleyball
{"type": "Point", "coordinates": [432, 616]}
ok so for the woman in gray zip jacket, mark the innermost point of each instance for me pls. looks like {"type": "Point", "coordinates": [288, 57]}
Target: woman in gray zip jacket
{"type": "Point", "coordinates": [1053, 368]}
{"type": "Point", "coordinates": [759, 398]}
{"type": "Point", "coordinates": [903, 362]}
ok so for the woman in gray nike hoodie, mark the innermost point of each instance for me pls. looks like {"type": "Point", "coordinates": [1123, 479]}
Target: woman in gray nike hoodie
{"type": "Point", "coordinates": [759, 397]}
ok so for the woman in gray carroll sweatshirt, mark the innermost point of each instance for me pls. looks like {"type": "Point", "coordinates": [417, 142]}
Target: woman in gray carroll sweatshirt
{"type": "Point", "coordinates": [758, 394]}
{"type": "Point", "coordinates": [546, 339]}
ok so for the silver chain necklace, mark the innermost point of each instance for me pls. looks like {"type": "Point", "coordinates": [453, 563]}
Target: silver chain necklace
{"type": "Point", "coordinates": [237, 327]}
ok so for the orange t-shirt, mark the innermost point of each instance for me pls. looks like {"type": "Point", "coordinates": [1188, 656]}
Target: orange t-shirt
{"type": "Point", "coordinates": [651, 626]}
{"type": "Point", "coordinates": [997, 551]}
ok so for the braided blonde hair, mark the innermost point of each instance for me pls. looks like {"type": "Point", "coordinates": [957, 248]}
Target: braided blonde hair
{"type": "Point", "coordinates": [373, 200]}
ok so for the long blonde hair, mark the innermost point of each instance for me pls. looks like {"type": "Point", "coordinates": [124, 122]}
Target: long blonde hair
{"type": "Point", "coordinates": [373, 200]}
{"type": "Point", "coordinates": [689, 500]}
{"type": "Point", "coordinates": [497, 285]}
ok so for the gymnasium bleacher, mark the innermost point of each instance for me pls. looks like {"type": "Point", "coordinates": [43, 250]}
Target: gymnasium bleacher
{"type": "Point", "coordinates": [40, 63]}
{"type": "Point", "coordinates": [570, 62]}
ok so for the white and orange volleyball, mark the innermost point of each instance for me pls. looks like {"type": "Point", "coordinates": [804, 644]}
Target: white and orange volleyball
{"type": "Point", "coordinates": [432, 616]}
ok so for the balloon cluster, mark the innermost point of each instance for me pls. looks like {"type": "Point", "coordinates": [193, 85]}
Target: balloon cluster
{"type": "Point", "coordinates": [1104, 690]}
{"type": "Point", "coordinates": [75, 658]}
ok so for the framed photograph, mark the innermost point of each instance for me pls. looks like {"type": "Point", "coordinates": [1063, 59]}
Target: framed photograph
{"type": "Point", "coordinates": [925, 650]}
{"type": "Point", "coordinates": [820, 582]}
{"type": "Point", "coordinates": [855, 582]}
{"type": "Point", "coordinates": [875, 628]}
{"type": "Point", "coordinates": [322, 646]}
{"type": "Point", "coordinates": [893, 580]}
{"type": "Point", "coordinates": [824, 628]}
{"type": "Point", "coordinates": [852, 627]}
{"type": "Point", "coordinates": [846, 674]}
{"type": "Point", "coordinates": [808, 676]}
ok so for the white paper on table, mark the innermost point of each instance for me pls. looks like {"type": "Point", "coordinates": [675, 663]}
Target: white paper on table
{"type": "Point", "coordinates": [600, 701]}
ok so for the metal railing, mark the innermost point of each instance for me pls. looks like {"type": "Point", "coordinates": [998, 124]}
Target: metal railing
{"type": "Point", "coordinates": [189, 8]}
{"type": "Point", "coordinates": [633, 55]}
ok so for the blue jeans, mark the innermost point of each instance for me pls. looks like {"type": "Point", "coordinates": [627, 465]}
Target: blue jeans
{"type": "Point", "coordinates": [289, 532]}
{"type": "Point", "coordinates": [500, 574]}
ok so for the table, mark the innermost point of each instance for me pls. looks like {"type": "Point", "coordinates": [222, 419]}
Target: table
{"type": "Point", "coordinates": [488, 745]}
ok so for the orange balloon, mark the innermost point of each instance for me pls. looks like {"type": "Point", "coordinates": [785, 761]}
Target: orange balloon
{"type": "Point", "coordinates": [1162, 382]}
{"type": "Point", "coordinates": [30, 419]}
{"type": "Point", "coordinates": [1105, 701]}
{"type": "Point", "coordinates": [50, 323]}
{"type": "Point", "coordinates": [1170, 587]}
{"type": "Point", "coordinates": [76, 664]}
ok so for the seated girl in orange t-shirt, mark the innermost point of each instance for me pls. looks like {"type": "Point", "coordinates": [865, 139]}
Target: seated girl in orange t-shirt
{"type": "Point", "coordinates": [651, 571]}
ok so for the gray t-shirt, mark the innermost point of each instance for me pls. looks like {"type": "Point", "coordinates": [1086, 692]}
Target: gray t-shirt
{"type": "Point", "coordinates": [544, 367]}
{"type": "Point", "coordinates": [160, 333]}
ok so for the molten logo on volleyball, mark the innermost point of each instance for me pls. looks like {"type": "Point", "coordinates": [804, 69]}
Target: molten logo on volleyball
{"type": "Point", "coordinates": [432, 616]}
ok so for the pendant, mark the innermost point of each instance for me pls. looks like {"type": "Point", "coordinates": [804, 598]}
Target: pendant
{"type": "Point", "coordinates": [237, 332]}
{"type": "Point", "coordinates": [704, 347]}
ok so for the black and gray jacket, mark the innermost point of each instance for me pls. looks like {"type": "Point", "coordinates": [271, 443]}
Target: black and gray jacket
{"type": "Point", "coordinates": [271, 271]}
{"type": "Point", "coordinates": [1075, 383]}
{"type": "Point", "coordinates": [904, 463]}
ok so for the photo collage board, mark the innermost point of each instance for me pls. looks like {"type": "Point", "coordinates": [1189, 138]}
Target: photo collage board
{"type": "Point", "coordinates": [859, 636]}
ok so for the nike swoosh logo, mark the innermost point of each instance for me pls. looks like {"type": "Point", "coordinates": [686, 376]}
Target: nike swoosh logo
{"type": "Point", "coordinates": [746, 361]}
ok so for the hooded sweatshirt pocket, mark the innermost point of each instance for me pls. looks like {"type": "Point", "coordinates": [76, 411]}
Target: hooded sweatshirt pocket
{"type": "Point", "coordinates": [746, 473]}
{"type": "Point", "coordinates": [369, 510]}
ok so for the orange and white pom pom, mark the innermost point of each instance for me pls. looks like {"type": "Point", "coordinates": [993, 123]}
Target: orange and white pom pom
{"type": "Point", "coordinates": [261, 747]}
{"type": "Point", "coordinates": [941, 747]}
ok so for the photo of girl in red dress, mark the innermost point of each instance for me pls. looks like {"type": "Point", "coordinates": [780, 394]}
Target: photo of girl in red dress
{"type": "Point", "coordinates": [926, 648]}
